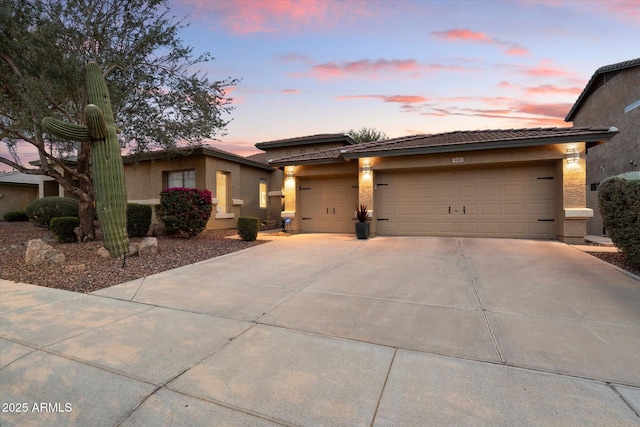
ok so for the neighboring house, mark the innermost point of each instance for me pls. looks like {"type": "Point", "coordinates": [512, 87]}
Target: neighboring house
{"type": "Point", "coordinates": [610, 98]}
{"type": "Point", "coordinates": [239, 186]}
{"type": "Point", "coordinates": [17, 190]}
{"type": "Point", "coordinates": [522, 183]}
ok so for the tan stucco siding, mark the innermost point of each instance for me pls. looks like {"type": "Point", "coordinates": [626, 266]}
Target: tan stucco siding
{"type": "Point", "coordinates": [145, 180]}
{"type": "Point", "coordinates": [569, 182]}
{"type": "Point", "coordinates": [605, 108]}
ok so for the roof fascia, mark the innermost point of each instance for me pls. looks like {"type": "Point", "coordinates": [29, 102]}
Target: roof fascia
{"type": "Point", "coordinates": [335, 160]}
{"type": "Point", "coordinates": [164, 155]}
{"type": "Point", "coordinates": [310, 141]}
{"type": "Point", "coordinates": [532, 142]}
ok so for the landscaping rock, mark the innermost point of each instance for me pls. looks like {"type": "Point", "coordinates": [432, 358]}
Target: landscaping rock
{"type": "Point", "coordinates": [103, 252]}
{"type": "Point", "coordinates": [38, 252]}
{"type": "Point", "coordinates": [148, 246]}
{"type": "Point", "coordinates": [133, 249]}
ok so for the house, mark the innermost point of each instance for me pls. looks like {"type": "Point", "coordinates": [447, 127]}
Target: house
{"type": "Point", "coordinates": [520, 183]}
{"type": "Point", "coordinates": [610, 98]}
{"type": "Point", "coordinates": [239, 185]}
{"type": "Point", "coordinates": [17, 190]}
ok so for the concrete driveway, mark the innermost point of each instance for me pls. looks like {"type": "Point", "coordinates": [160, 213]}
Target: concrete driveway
{"type": "Point", "coordinates": [331, 330]}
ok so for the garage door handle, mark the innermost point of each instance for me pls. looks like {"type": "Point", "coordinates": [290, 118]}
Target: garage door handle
{"type": "Point", "coordinates": [383, 219]}
{"type": "Point", "coordinates": [306, 219]}
{"type": "Point", "coordinates": [449, 209]}
{"type": "Point", "coordinates": [546, 220]}
{"type": "Point", "coordinates": [464, 209]}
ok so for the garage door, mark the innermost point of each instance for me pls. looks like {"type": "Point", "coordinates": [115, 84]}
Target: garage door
{"type": "Point", "coordinates": [498, 202]}
{"type": "Point", "coordinates": [327, 205]}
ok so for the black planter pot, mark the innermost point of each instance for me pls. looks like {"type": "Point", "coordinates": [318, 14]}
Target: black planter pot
{"type": "Point", "coordinates": [362, 230]}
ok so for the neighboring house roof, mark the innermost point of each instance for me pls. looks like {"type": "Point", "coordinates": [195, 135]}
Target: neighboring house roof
{"type": "Point", "coordinates": [454, 142]}
{"type": "Point", "coordinates": [599, 78]}
{"type": "Point", "coordinates": [201, 150]}
{"type": "Point", "coordinates": [307, 140]}
{"type": "Point", "coordinates": [258, 157]}
{"type": "Point", "coordinates": [19, 178]}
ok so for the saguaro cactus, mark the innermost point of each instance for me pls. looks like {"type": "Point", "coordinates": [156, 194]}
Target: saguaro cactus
{"type": "Point", "coordinates": [106, 162]}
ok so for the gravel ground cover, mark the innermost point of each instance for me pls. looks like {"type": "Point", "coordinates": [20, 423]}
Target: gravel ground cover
{"type": "Point", "coordinates": [84, 271]}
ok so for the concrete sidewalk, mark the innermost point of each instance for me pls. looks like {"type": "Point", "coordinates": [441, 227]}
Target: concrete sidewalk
{"type": "Point", "coordinates": [331, 330]}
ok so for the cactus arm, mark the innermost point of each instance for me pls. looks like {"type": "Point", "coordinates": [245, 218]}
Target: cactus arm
{"type": "Point", "coordinates": [96, 123]}
{"type": "Point", "coordinates": [66, 130]}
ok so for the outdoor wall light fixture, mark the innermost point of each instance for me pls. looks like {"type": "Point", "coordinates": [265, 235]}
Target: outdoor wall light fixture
{"type": "Point", "coordinates": [290, 172]}
{"type": "Point", "coordinates": [366, 168]}
{"type": "Point", "coordinates": [572, 156]}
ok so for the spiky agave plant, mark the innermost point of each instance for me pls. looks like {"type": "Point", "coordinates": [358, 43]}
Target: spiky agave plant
{"type": "Point", "coordinates": [107, 170]}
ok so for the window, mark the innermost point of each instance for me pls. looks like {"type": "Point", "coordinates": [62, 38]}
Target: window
{"type": "Point", "coordinates": [185, 179]}
{"type": "Point", "coordinates": [262, 191]}
{"type": "Point", "coordinates": [222, 193]}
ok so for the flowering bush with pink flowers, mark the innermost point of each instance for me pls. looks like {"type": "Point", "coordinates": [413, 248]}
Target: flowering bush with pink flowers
{"type": "Point", "coordinates": [184, 210]}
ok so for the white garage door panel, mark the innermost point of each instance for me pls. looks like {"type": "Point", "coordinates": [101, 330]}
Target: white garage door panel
{"type": "Point", "coordinates": [328, 204]}
{"type": "Point", "coordinates": [497, 202]}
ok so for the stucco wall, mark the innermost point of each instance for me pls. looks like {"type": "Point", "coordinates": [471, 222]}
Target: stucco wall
{"type": "Point", "coordinates": [570, 187]}
{"type": "Point", "coordinates": [605, 108]}
{"type": "Point", "coordinates": [146, 179]}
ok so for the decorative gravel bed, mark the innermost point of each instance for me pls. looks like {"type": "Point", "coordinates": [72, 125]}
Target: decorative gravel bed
{"type": "Point", "coordinates": [616, 259]}
{"type": "Point", "coordinates": [84, 271]}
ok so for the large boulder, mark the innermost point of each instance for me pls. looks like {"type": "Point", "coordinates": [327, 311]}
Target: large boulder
{"type": "Point", "coordinates": [38, 252]}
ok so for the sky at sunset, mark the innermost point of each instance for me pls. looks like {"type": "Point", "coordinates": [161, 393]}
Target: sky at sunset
{"type": "Point", "coordinates": [403, 67]}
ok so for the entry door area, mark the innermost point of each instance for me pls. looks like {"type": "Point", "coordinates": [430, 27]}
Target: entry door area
{"type": "Point", "coordinates": [497, 202]}
{"type": "Point", "coordinates": [328, 204]}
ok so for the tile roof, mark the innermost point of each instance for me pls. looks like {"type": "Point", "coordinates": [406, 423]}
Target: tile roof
{"type": "Point", "coordinates": [200, 150]}
{"type": "Point", "coordinates": [599, 78]}
{"type": "Point", "coordinates": [307, 140]}
{"type": "Point", "coordinates": [19, 178]}
{"type": "Point", "coordinates": [455, 141]}
{"type": "Point", "coordinates": [325, 156]}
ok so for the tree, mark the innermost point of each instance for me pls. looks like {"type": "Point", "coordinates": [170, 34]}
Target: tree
{"type": "Point", "coordinates": [366, 134]}
{"type": "Point", "coordinates": [158, 99]}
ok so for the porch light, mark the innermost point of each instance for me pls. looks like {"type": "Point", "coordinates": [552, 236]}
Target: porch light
{"type": "Point", "coordinates": [366, 168]}
{"type": "Point", "coordinates": [290, 172]}
{"type": "Point", "coordinates": [572, 156]}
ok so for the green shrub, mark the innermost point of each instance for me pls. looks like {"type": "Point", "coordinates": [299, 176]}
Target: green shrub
{"type": "Point", "coordinates": [619, 202]}
{"type": "Point", "coordinates": [185, 210]}
{"type": "Point", "coordinates": [62, 228]}
{"type": "Point", "coordinates": [42, 211]}
{"type": "Point", "coordinates": [16, 216]}
{"type": "Point", "coordinates": [248, 227]}
{"type": "Point", "coordinates": [138, 219]}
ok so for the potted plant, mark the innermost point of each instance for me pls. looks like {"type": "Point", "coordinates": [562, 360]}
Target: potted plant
{"type": "Point", "coordinates": [362, 226]}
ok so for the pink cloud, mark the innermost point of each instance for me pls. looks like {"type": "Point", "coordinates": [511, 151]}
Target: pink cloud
{"type": "Point", "coordinates": [374, 68]}
{"type": "Point", "coordinates": [551, 90]}
{"type": "Point", "coordinates": [541, 89]}
{"type": "Point", "coordinates": [401, 99]}
{"type": "Point", "coordinates": [545, 69]}
{"type": "Point", "coordinates": [546, 110]}
{"type": "Point", "coordinates": [506, 85]}
{"type": "Point", "coordinates": [290, 91]}
{"type": "Point", "coordinates": [466, 35]}
{"type": "Point", "coordinates": [280, 16]}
